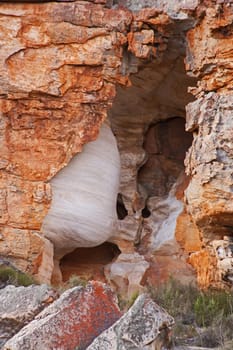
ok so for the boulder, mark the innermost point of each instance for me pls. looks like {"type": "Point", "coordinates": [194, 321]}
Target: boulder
{"type": "Point", "coordinates": [71, 322]}
{"type": "Point", "coordinates": [19, 305]}
{"type": "Point", "coordinates": [145, 326]}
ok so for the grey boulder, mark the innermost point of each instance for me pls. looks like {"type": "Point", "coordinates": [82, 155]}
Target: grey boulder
{"type": "Point", "coordinates": [19, 305]}
{"type": "Point", "coordinates": [145, 326]}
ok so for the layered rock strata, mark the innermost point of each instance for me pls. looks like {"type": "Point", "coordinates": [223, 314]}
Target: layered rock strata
{"type": "Point", "coordinates": [209, 162]}
{"type": "Point", "coordinates": [59, 66]}
{"type": "Point", "coordinates": [59, 63]}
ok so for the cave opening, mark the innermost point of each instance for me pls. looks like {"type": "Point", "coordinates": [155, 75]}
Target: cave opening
{"type": "Point", "coordinates": [165, 143]}
{"type": "Point", "coordinates": [122, 212]}
{"type": "Point", "coordinates": [88, 263]}
{"type": "Point", "coordinates": [148, 122]}
{"type": "Point", "coordinates": [148, 119]}
{"type": "Point", "coordinates": [146, 212]}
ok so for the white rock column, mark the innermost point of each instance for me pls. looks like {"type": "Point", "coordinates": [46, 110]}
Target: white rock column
{"type": "Point", "coordinates": [83, 210]}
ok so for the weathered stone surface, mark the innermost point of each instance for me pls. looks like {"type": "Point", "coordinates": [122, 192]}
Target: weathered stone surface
{"type": "Point", "coordinates": [187, 234]}
{"type": "Point", "coordinates": [59, 63]}
{"type": "Point", "coordinates": [214, 263]}
{"type": "Point", "coordinates": [209, 162]}
{"type": "Point", "coordinates": [144, 326]}
{"type": "Point", "coordinates": [71, 322]}
{"type": "Point", "coordinates": [58, 73]}
{"type": "Point", "coordinates": [205, 264]}
{"type": "Point", "coordinates": [152, 100]}
{"type": "Point", "coordinates": [19, 305]}
{"type": "Point", "coordinates": [187, 347]}
{"type": "Point", "coordinates": [178, 9]}
{"type": "Point", "coordinates": [166, 263]}
{"type": "Point", "coordinates": [212, 63]}
{"type": "Point", "coordinates": [83, 208]}
{"type": "Point", "coordinates": [29, 251]}
{"type": "Point", "coordinates": [126, 273]}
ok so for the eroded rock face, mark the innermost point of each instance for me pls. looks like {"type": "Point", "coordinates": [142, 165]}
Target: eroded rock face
{"type": "Point", "coordinates": [83, 208]}
{"type": "Point", "coordinates": [144, 326]}
{"type": "Point", "coordinates": [126, 273]}
{"type": "Point", "coordinates": [71, 322]}
{"type": "Point", "coordinates": [29, 251]}
{"type": "Point", "coordinates": [58, 74]}
{"type": "Point", "coordinates": [48, 109]}
{"type": "Point", "coordinates": [145, 117]}
{"type": "Point", "coordinates": [88, 263]}
{"type": "Point", "coordinates": [165, 144]}
{"type": "Point", "coordinates": [59, 63]}
{"type": "Point", "coordinates": [209, 162]}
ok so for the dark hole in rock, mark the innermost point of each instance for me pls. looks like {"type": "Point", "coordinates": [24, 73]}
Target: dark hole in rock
{"type": "Point", "coordinates": [88, 263]}
{"type": "Point", "coordinates": [121, 209]}
{"type": "Point", "coordinates": [166, 143]}
{"type": "Point", "coordinates": [146, 212]}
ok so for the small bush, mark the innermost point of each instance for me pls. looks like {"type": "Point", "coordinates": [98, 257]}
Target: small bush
{"type": "Point", "coordinates": [201, 318]}
{"type": "Point", "coordinates": [210, 305]}
{"type": "Point", "coordinates": [75, 281]}
{"type": "Point", "coordinates": [126, 303]}
{"type": "Point", "coordinates": [9, 275]}
{"type": "Point", "coordinates": [176, 298]}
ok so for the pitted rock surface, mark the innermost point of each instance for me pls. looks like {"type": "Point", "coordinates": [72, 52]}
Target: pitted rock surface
{"type": "Point", "coordinates": [138, 329]}
{"type": "Point", "coordinates": [19, 305]}
{"type": "Point", "coordinates": [71, 322]}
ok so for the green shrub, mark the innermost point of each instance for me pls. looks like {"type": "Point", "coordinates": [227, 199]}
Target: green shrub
{"type": "Point", "coordinates": [201, 318]}
{"type": "Point", "coordinates": [210, 305]}
{"type": "Point", "coordinates": [9, 275]}
{"type": "Point", "coordinates": [176, 298]}
{"type": "Point", "coordinates": [75, 281]}
{"type": "Point", "coordinates": [126, 303]}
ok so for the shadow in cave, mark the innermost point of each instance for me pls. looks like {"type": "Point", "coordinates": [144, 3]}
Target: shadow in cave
{"type": "Point", "coordinates": [166, 143]}
{"type": "Point", "coordinates": [122, 212]}
{"type": "Point", "coordinates": [88, 263]}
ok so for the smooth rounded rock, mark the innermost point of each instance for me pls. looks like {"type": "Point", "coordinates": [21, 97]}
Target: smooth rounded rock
{"type": "Point", "coordinates": [83, 210]}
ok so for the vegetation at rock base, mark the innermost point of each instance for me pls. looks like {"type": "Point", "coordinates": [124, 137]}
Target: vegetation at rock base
{"type": "Point", "coordinates": [202, 318]}
{"type": "Point", "coordinates": [9, 275]}
{"type": "Point", "coordinates": [75, 281]}
{"type": "Point", "coordinates": [126, 302]}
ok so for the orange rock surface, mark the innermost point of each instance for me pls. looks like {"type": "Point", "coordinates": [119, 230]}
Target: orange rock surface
{"type": "Point", "coordinates": [205, 264]}
{"type": "Point", "coordinates": [209, 161]}
{"type": "Point", "coordinates": [187, 234]}
{"type": "Point", "coordinates": [73, 321]}
{"type": "Point", "coordinates": [59, 63]}
{"type": "Point", "coordinates": [59, 66]}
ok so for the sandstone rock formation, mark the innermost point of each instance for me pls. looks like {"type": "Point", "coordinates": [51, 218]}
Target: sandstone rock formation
{"type": "Point", "coordinates": [59, 66]}
{"type": "Point", "coordinates": [19, 305]}
{"type": "Point", "coordinates": [209, 194]}
{"type": "Point", "coordinates": [126, 274]}
{"type": "Point", "coordinates": [57, 71]}
{"type": "Point", "coordinates": [71, 322]}
{"type": "Point", "coordinates": [83, 208]}
{"type": "Point", "coordinates": [144, 326]}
